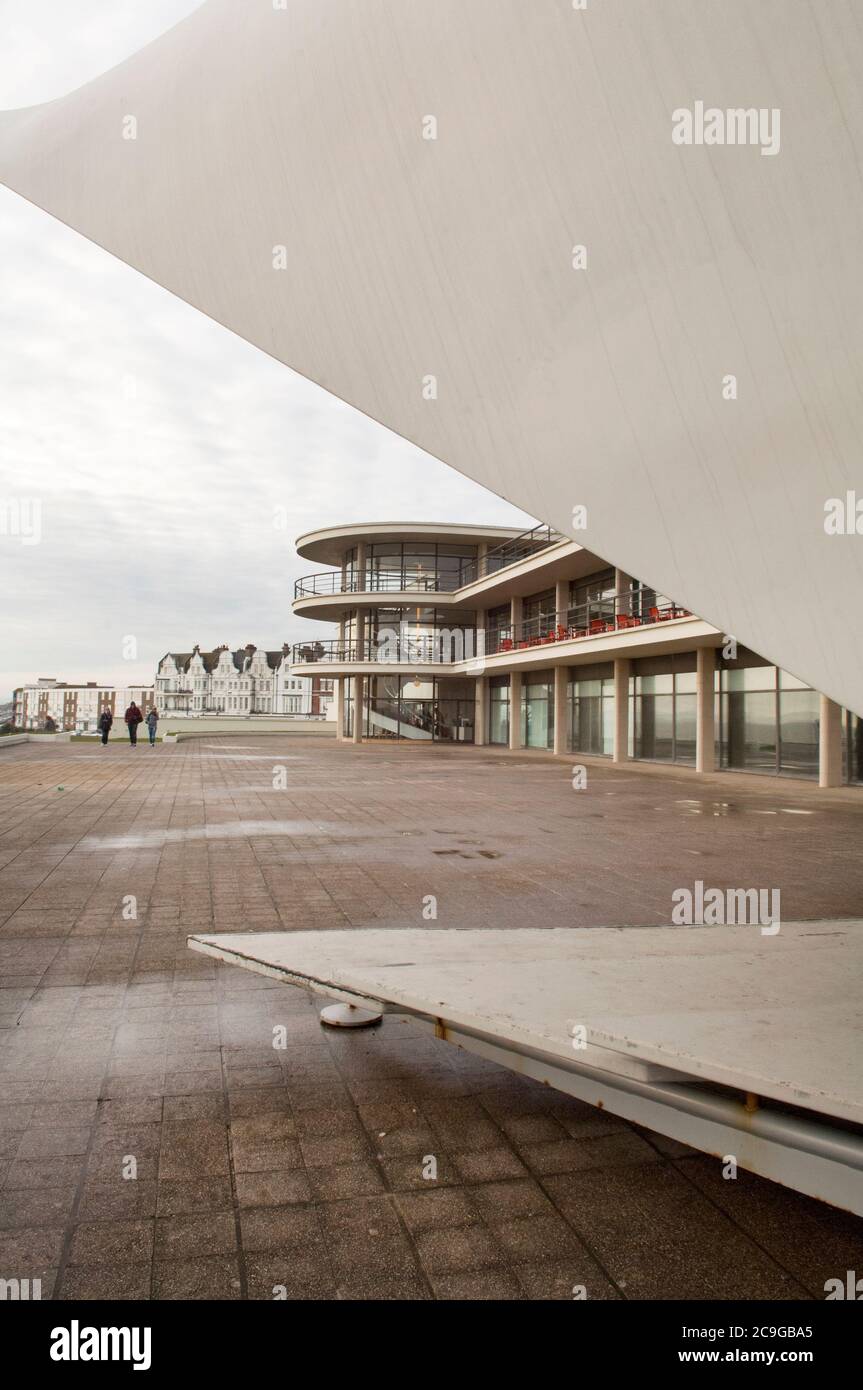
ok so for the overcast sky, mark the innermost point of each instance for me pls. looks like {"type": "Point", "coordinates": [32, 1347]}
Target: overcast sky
{"type": "Point", "coordinates": [162, 451]}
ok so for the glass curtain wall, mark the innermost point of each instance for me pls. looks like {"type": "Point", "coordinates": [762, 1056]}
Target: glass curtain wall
{"type": "Point", "coordinates": [421, 634]}
{"type": "Point", "coordinates": [590, 707]}
{"type": "Point", "coordinates": [420, 708]}
{"type": "Point", "coordinates": [663, 709]}
{"type": "Point", "coordinates": [498, 629]}
{"type": "Point", "coordinates": [538, 614]}
{"type": "Point", "coordinates": [498, 710]}
{"type": "Point", "coordinates": [537, 709]}
{"type": "Point", "coordinates": [769, 720]}
{"type": "Point", "coordinates": [591, 599]}
{"type": "Point", "coordinates": [852, 746]}
{"type": "Point", "coordinates": [422, 565]}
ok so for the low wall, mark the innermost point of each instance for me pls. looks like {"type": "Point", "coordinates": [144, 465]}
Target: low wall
{"type": "Point", "coordinates": [9, 740]}
{"type": "Point", "coordinates": [190, 728]}
{"type": "Point", "coordinates": [262, 724]}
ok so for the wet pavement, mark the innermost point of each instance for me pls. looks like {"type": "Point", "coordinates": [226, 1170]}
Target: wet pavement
{"type": "Point", "coordinates": [155, 1143]}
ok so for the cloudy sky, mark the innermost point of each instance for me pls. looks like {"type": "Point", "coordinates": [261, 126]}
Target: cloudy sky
{"type": "Point", "coordinates": [154, 454]}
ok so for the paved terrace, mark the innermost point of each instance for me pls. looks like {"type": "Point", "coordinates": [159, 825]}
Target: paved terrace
{"type": "Point", "coordinates": [303, 1167]}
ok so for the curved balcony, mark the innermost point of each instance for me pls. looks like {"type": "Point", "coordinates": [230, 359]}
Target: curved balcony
{"type": "Point", "coordinates": [387, 650]}
{"type": "Point", "coordinates": [414, 579]}
{"type": "Point", "coordinates": [386, 582]}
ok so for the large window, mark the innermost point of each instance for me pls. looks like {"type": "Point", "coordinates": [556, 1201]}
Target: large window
{"type": "Point", "coordinates": [852, 746]}
{"type": "Point", "coordinates": [662, 706]}
{"type": "Point", "coordinates": [590, 705]}
{"type": "Point", "coordinates": [416, 634]}
{"type": "Point", "coordinates": [537, 710]}
{"type": "Point", "coordinates": [769, 720]}
{"type": "Point", "coordinates": [498, 627]}
{"type": "Point", "coordinates": [591, 599]}
{"type": "Point", "coordinates": [498, 710]}
{"type": "Point", "coordinates": [422, 634]}
{"type": "Point", "coordinates": [393, 565]}
{"type": "Point", "coordinates": [538, 616]}
{"type": "Point", "coordinates": [420, 708]}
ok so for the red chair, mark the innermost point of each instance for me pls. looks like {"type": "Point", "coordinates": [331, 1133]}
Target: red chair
{"type": "Point", "coordinates": [506, 644]}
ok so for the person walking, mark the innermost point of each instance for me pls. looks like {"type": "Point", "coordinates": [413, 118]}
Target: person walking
{"type": "Point", "coordinates": [106, 719]}
{"type": "Point", "coordinates": [152, 722]}
{"type": "Point", "coordinates": [133, 717]}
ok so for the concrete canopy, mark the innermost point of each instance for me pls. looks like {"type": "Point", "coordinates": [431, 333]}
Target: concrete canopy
{"type": "Point", "coordinates": [281, 179]}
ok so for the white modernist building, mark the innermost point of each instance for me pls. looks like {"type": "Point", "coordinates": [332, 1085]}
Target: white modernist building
{"type": "Point", "coordinates": [245, 681]}
{"type": "Point", "coordinates": [469, 634]}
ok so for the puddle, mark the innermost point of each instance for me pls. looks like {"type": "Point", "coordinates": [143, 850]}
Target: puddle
{"type": "Point", "coordinates": [230, 830]}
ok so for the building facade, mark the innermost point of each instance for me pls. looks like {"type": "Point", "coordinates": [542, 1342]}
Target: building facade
{"type": "Point", "coordinates": [464, 634]}
{"type": "Point", "coordinates": [247, 681]}
{"type": "Point", "coordinates": [72, 708]}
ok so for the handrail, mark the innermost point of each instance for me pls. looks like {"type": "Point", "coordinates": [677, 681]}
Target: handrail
{"type": "Point", "coordinates": [334, 582]}
{"type": "Point", "coordinates": [510, 552]}
{"type": "Point", "coordinates": [431, 582]}
{"type": "Point", "coordinates": [631, 608]}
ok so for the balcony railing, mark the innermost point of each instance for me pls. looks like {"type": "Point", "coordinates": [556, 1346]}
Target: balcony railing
{"type": "Point", "coordinates": [426, 581]}
{"type": "Point", "coordinates": [442, 649]}
{"type": "Point", "coordinates": [510, 552]}
{"type": "Point", "coordinates": [613, 613]}
{"type": "Point", "coordinates": [379, 582]}
{"type": "Point", "coordinates": [631, 608]}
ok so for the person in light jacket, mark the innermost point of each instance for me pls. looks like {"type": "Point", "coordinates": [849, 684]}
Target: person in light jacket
{"type": "Point", "coordinates": [152, 722]}
{"type": "Point", "coordinates": [133, 717]}
{"type": "Point", "coordinates": [106, 719]}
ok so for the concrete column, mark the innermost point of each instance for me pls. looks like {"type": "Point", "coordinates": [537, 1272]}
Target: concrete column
{"type": "Point", "coordinates": [480, 727]}
{"type": "Point", "coordinates": [362, 555]}
{"type": "Point", "coordinates": [830, 744]}
{"type": "Point", "coordinates": [561, 604]}
{"type": "Point", "coordinates": [515, 707]}
{"type": "Point", "coordinates": [620, 751]}
{"type": "Point", "coordinates": [705, 731]}
{"type": "Point", "coordinates": [561, 708]}
{"type": "Point", "coordinates": [515, 608]}
{"type": "Point", "coordinates": [479, 639]}
{"type": "Point", "coordinates": [359, 687]}
{"type": "Point", "coordinates": [340, 709]}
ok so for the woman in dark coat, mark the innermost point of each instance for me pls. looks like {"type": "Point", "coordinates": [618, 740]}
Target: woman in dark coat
{"type": "Point", "coordinates": [106, 719]}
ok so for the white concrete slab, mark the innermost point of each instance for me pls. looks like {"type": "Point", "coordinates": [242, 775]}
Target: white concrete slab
{"type": "Point", "coordinates": [261, 127]}
{"type": "Point", "coordinates": [777, 1016]}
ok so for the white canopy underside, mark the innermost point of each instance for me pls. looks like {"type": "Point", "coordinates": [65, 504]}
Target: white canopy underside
{"type": "Point", "coordinates": [406, 258]}
{"type": "Point", "coordinates": [778, 1016]}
